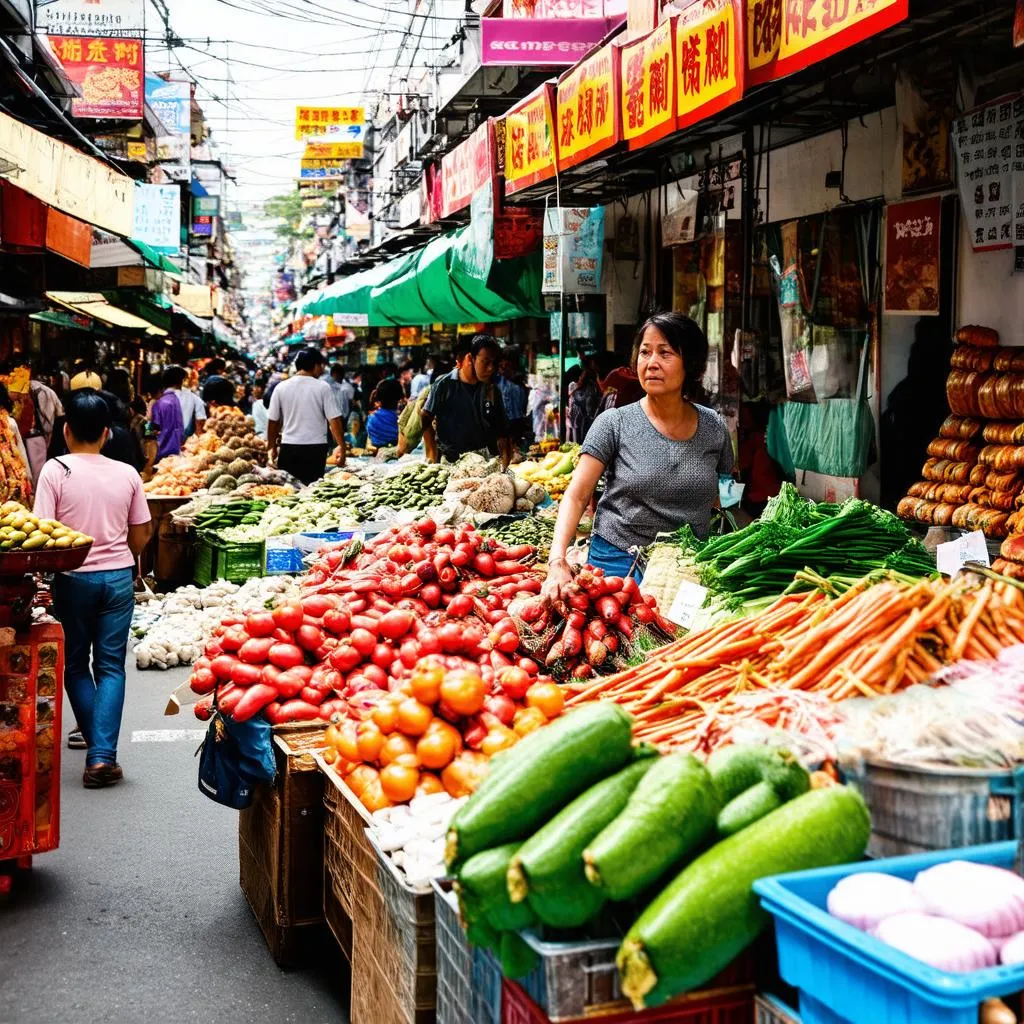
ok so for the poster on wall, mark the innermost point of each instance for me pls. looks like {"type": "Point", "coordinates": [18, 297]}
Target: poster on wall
{"type": "Point", "coordinates": [989, 146]}
{"type": "Point", "coordinates": [912, 257]}
{"type": "Point", "coordinates": [573, 250]}
{"type": "Point", "coordinates": [157, 217]}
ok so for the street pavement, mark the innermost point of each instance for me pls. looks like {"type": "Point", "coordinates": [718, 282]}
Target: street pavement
{"type": "Point", "coordinates": [138, 916]}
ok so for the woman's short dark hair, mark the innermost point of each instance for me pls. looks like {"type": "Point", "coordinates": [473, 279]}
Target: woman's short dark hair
{"type": "Point", "coordinates": [218, 391]}
{"type": "Point", "coordinates": [389, 393]}
{"type": "Point", "coordinates": [684, 337]}
{"type": "Point", "coordinates": [309, 359]}
{"type": "Point", "coordinates": [174, 376]}
{"type": "Point", "coordinates": [87, 415]}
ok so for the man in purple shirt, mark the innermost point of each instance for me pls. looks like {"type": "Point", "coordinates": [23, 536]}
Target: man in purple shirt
{"type": "Point", "coordinates": [165, 414]}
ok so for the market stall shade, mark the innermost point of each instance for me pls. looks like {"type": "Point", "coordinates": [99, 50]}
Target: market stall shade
{"type": "Point", "coordinates": [95, 305]}
{"type": "Point", "coordinates": [68, 321]}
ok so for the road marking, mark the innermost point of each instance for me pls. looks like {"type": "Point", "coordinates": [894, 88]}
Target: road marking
{"type": "Point", "coordinates": [167, 735]}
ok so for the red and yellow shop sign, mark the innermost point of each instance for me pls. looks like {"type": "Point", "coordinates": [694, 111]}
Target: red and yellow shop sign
{"type": "Point", "coordinates": [647, 71]}
{"type": "Point", "coordinates": [587, 118]}
{"type": "Point", "coordinates": [764, 34]}
{"type": "Point", "coordinates": [815, 29]}
{"type": "Point", "coordinates": [709, 59]}
{"type": "Point", "coordinates": [530, 140]}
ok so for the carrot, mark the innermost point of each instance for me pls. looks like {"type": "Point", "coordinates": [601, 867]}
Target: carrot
{"type": "Point", "coordinates": [964, 632]}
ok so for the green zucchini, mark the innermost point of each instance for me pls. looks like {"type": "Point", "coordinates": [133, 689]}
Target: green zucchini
{"type": "Point", "coordinates": [750, 806]}
{"type": "Point", "coordinates": [709, 913]}
{"type": "Point", "coordinates": [742, 777]}
{"type": "Point", "coordinates": [671, 812]}
{"type": "Point", "coordinates": [483, 894]}
{"type": "Point", "coordinates": [548, 869]}
{"type": "Point", "coordinates": [517, 958]}
{"type": "Point", "coordinates": [531, 781]}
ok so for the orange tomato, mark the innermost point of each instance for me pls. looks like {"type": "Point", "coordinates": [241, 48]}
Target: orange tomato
{"type": "Point", "coordinates": [465, 773]}
{"type": "Point", "coordinates": [547, 698]}
{"type": "Point", "coordinates": [373, 798]}
{"type": "Point", "coordinates": [413, 717]}
{"type": "Point", "coordinates": [426, 683]}
{"type": "Point", "coordinates": [399, 782]}
{"type": "Point", "coordinates": [527, 720]}
{"type": "Point", "coordinates": [407, 761]}
{"type": "Point", "coordinates": [439, 746]}
{"type": "Point", "coordinates": [396, 745]}
{"type": "Point", "coordinates": [385, 715]}
{"type": "Point", "coordinates": [369, 741]}
{"type": "Point", "coordinates": [498, 738]}
{"type": "Point", "coordinates": [463, 692]}
{"type": "Point", "coordinates": [330, 755]}
{"type": "Point", "coordinates": [346, 743]}
{"type": "Point", "coordinates": [360, 778]}
{"type": "Point", "coordinates": [429, 784]}
{"type": "Point", "coordinates": [331, 736]}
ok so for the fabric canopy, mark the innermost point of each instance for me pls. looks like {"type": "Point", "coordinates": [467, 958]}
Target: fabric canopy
{"type": "Point", "coordinates": [428, 286]}
{"type": "Point", "coordinates": [95, 305]}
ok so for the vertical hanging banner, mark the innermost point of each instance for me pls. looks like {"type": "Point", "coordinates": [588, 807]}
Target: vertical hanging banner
{"type": "Point", "coordinates": [764, 37]}
{"type": "Point", "coordinates": [157, 218]}
{"type": "Point", "coordinates": [648, 76]}
{"type": "Point", "coordinates": [530, 140]}
{"type": "Point", "coordinates": [109, 73]}
{"type": "Point", "coordinates": [573, 250]}
{"type": "Point", "coordinates": [91, 17]}
{"type": "Point", "coordinates": [587, 119]}
{"type": "Point", "coordinates": [815, 29]}
{"type": "Point", "coordinates": [709, 59]}
{"type": "Point", "coordinates": [912, 257]}
{"type": "Point", "coordinates": [171, 101]}
{"type": "Point", "coordinates": [467, 168]}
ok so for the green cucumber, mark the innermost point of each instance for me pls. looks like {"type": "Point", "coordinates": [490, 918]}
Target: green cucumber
{"type": "Point", "coordinates": [548, 869]}
{"type": "Point", "coordinates": [750, 806]}
{"type": "Point", "coordinates": [709, 913]}
{"type": "Point", "coordinates": [531, 781]}
{"type": "Point", "coordinates": [483, 894]}
{"type": "Point", "coordinates": [669, 814]}
{"type": "Point", "coordinates": [517, 958]}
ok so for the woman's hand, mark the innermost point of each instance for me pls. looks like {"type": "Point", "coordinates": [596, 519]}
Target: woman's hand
{"type": "Point", "coordinates": [559, 577]}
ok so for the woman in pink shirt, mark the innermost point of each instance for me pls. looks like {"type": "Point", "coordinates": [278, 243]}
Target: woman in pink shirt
{"type": "Point", "coordinates": [104, 499]}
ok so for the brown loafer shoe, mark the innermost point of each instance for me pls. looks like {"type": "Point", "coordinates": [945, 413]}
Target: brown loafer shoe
{"type": "Point", "coordinates": [98, 776]}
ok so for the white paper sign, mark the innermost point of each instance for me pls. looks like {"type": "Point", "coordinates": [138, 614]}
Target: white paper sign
{"type": "Point", "coordinates": [971, 547]}
{"type": "Point", "coordinates": [689, 600]}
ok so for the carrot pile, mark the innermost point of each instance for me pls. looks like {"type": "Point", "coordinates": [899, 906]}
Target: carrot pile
{"type": "Point", "coordinates": [877, 638]}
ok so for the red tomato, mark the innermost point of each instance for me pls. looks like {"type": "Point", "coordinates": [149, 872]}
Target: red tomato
{"type": "Point", "coordinates": [428, 641]}
{"type": "Point", "coordinates": [344, 657]}
{"type": "Point", "coordinates": [256, 651]}
{"type": "Point", "coordinates": [338, 621]}
{"type": "Point", "coordinates": [222, 666]}
{"type": "Point", "coordinates": [430, 595]}
{"type": "Point", "coordinates": [410, 653]}
{"type": "Point", "coordinates": [515, 682]}
{"type": "Point", "coordinates": [288, 616]}
{"type": "Point", "coordinates": [460, 606]}
{"type": "Point", "coordinates": [395, 624]}
{"type": "Point", "coordinates": [309, 638]}
{"type": "Point", "coordinates": [318, 605]}
{"type": "Point", "coordinates": [383, 655]}
{"type": "Point", "coordinates": [366, 621]}
{"type": "Point", "coordinates": [245, 675]}
{"type": "Point", "coordinates": [202, 681]}
{"type": "Point", "coordinates": [253, 700]}
{"type": "Point", "coordinates": [260, 624]}
{"type": "Point", "coordinates": [450, 638]}
{"type": "Point", "coordinates": [304, 672]}
{"type": "Point", "coordinates": [363, 641]}
{"type": "Point", "coordinates": [233, 639]}
{"type": "Point", "coordinates": [289, 685]}
{"type": "Point", "coordinates": [270, 674]}
{"type": "Point", "coordinates": [376, 675]}
{"type": "Point", "coordinates": [286, 655]}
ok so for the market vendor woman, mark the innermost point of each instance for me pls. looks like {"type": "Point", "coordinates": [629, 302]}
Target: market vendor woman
{"type": "Point", "coordinates": [662, 456]}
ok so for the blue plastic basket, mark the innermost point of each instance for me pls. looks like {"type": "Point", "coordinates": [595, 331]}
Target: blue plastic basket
{"type": "Point", "coordinates": [846, 976]}
{"type": "Point", "coordinates": [282, 561]}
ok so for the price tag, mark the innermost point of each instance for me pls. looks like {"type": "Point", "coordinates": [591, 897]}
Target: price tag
{"type": "Point", "coordinates": [971, 547]}
{"type": "Point", "coordinates": [689, 600]}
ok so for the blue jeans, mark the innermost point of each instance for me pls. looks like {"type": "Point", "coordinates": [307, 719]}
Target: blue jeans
{"type": "Point", "coordinates": [95, 609]}
{"type": "Point", "coordinates": [613, 560]}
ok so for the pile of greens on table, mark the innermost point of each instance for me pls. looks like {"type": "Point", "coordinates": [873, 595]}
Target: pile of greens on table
{"type": "Point", "coordinates": [770, 556]}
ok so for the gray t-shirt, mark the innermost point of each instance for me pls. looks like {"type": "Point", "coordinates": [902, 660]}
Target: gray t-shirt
{"type": "Point", "coordinates": [654, 484]}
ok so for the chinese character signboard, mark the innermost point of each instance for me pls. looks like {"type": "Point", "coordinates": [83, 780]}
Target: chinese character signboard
{"type": "Point", "coordinates": [466, 169]}
{"type": "Point", "coordinates": [587, 115]}
{"type": "Point", "coordinates": [912, 257]}
{"type": "Point", "coordinates": [109, 73]}
{"type": "Point", "coordinates": [647, 73]}
{"type": "Point", "coordinates": [540, 42]}
{"type": "Point", "coordinates": [91, 17]}
{"type": "Point", "coordinates": [157, 219]}
{"type": "Point", "coordinates": [815, 29]}
{"type": "Point", "coordinates": [989, 146]}
{"type": "Point", "coordinates": [764, 36]}
{"type": "Point", "coordinates": [530, 140]}
{"type": "Point", "coordinates": [709, 59]}
{"type": "Point", "coordinates": [333, 151]}
{"type": "Point", "coordinates": [323, 170]}
{"type": "Point", "coordinates": [573, 250]}
{"type": "Point", "coordinates": [313, 122]}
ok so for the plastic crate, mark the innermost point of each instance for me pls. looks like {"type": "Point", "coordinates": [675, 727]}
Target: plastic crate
{"type": "Point", "coordinates": [914, 810]}
{"type": "Point", "coordinates": [283, 561]}
{"type": "Point", "coordinates": [222, 560]}
{"type": "Point", "coordinates": [468, 978]}
{"type": "Point", "coordinates": [577, 979]}
{"type": "Point", "coordinates": [727, 1007]}
{"type": "Point", "coordinates": [306, 543]}
{"type": "Point", "coordinates": [846, 976]}
{"type": "Point", "coordinates": [769, 1010]}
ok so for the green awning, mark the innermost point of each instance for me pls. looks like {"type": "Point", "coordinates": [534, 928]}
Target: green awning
{"type": "Point", "coordinates": [156, 260]}
{"type": "Point", "coordinates": [69, 322]}
{"type": "Point", "coordinates": [351, 295]}
{"type": "Point", "coordinates": [154, 308]}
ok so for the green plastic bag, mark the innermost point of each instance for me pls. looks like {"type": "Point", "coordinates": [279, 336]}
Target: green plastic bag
{"type": "Point", "coordinates": [833, 437]}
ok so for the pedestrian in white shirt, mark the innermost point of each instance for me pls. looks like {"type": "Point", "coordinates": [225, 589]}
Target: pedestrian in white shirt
{"type": "Point", "coordinates": [302, 409]}
{"type": "Point", "coordinates": [193, 412]}
{"type": "Point", "coordinates": [259, 408]}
